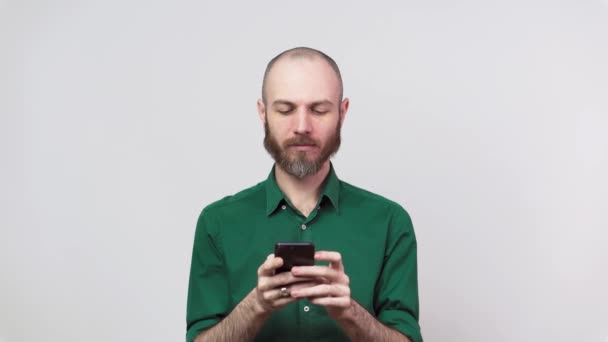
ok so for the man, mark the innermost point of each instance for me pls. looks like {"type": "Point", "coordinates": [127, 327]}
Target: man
{"type": "Point", "coordinates": [364, 284]}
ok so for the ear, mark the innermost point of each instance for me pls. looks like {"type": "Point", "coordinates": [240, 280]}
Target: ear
{"type": "Point", "coordinates": [261, 110]}
{"type": "Point", "coordinates": [344, 108]}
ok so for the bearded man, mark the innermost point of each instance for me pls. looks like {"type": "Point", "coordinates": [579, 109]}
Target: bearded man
{"type": "Point", "coordinates": [364, 284]}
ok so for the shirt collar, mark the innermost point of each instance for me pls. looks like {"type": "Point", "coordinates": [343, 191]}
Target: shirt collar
{"type": "Point", "coordinates": [274, 195]}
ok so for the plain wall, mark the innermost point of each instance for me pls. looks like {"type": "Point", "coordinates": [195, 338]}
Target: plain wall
{"type": "Point", "coordinates": [486, 120]}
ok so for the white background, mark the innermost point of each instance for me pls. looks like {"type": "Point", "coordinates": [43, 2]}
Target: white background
{"type": "Point", "coordinates": [486, 120]}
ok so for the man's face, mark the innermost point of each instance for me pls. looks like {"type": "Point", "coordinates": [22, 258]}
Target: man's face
{"type": "Point", "coordinates": [302, 115]}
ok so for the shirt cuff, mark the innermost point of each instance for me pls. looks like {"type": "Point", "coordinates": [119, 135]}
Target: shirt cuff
{"type": "Point", "coordinates": [399, 321]}
{"type": "Point", "coordinates": [199, 327]}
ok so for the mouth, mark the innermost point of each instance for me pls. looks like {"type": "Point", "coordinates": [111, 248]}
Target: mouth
{"type": "Point", "coordinates": [303, 147]}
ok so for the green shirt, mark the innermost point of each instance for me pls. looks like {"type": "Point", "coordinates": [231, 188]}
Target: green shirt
{"type": "Point", "coordinates": [374, 235]}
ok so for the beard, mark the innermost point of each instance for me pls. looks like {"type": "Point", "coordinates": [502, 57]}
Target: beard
{"type": "Point", "coordinates": [297, 164]}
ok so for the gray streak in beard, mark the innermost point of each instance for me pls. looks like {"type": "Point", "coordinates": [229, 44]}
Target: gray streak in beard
{"type": "Point", "coordinates": [300, 168]}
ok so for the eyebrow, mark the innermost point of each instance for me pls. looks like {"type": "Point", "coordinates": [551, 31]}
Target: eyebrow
{"type": "Point", "coordinates": [324, 102]}
{"type": "Point", "coordinates": [282, 102]}
{"type": "Point", "coordinates": [314, 104]}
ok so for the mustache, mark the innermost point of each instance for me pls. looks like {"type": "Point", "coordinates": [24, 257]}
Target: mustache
{"type": "Point", "coordinates": [301, 140]}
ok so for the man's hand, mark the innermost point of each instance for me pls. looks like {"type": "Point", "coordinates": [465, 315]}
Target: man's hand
{"type": "Point", "coordinates": [244, 322]}
{"type": "Point", "coordinates": [333, 290]}
{"type": "Point", "coordinates": [269, 296]}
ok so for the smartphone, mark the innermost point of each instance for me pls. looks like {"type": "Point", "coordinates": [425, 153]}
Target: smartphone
{"type": "Point", "coordinates": [294, 254]}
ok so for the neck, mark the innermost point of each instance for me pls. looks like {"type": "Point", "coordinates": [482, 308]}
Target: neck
{"type": "Point", "coordinates": [303, 193]}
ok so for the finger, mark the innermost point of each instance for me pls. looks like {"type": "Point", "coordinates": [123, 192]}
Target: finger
{"type": "Point", "coordinates": [322, 290]}
{"type": "Point", "coordinates": [331, 274]}
{"type": "Point", "coordinates": [269, 265]}
{"type": "Point", "coordinates": [264, 266]}
{"type": "Point", "coordinates": [271, 297]}
{"type": "Point", "coordinates": [276, 293]}
{"type": "Point", "coordinates": [342, 302]}
{"type": "Point", "coordinates": [279, 280]}
{"type": "Point", "coordinates": [298, 286]}
{"type": "Point", "coordinates": [334, 258]}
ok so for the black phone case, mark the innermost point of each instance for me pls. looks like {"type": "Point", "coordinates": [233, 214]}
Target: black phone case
{"type": "Point", "coordinates": [294, 254]}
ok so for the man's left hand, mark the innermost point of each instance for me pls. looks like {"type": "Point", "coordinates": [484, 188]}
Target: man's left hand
{"type": "Point", "coordinates": [334, 292]}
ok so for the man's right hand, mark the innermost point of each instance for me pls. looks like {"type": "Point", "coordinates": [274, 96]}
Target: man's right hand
{"type": "Point", "coordinates": [244, 322]}
{"type": "Point", "coordinates": [269, 296]}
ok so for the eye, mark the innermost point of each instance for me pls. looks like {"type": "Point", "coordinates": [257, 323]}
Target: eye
{"type": "Point", "coordinates": [284, 111]}
{"type": "Point", "coordinates": [320, 111]}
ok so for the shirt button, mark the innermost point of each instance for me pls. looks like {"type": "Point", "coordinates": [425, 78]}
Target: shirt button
{"type": "Point", "coordinates": [306, 309]}
{"type": "Point", "coordinates": [283, 206]}
{"type": "Point", "coordinates": [303, 227]}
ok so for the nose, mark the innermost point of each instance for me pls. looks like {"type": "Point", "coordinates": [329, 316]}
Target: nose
{"type": "Point", "coordinates": [304, 123]}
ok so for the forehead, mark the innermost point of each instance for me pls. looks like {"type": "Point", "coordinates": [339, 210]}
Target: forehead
{"type": "Point", "coordinates": [302, 80]}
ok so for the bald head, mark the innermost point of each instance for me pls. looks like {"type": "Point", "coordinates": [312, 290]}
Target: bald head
{"type": "Point", "coordinates": [301, 53]}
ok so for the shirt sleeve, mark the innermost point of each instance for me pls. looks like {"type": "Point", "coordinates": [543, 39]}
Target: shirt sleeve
{"type": "Point", "coordinates": [208, 300]}
{"type": "Point", "coordinates": [396, 303]}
